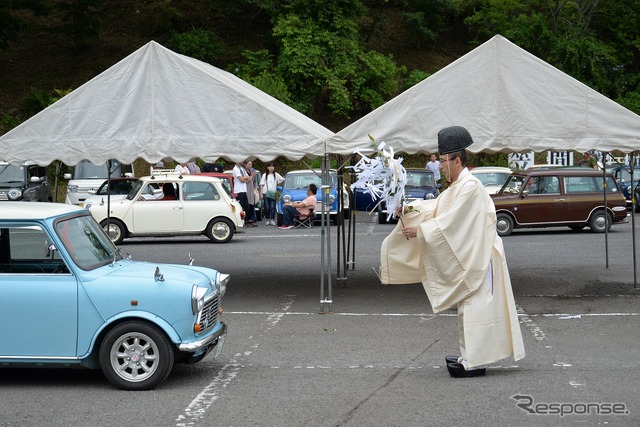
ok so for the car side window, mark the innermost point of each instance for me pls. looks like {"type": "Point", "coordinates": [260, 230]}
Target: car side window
{"type": "Point", "coordinates": [199, 191]}
{"type": "Point", "coordinates": [544, 185]}
{"type": "Point", "coordinates": [588, 184]}
{"type": "Point", "coordinates": [27, 249]}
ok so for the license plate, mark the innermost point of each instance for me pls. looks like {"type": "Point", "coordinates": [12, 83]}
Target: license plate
{"type": "Point", "coordinates": [219, 346]}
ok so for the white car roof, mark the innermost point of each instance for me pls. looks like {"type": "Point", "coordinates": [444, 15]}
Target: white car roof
{"type": "Point", "coordinates": [36, 210]}
{"type": "Point", "coordinates": [27, 163]}
{"type": "Point", "coordinates": [490, 169]}
{"type": "Point", "coordinates": [309, 171]}
{"type": "Point", "coordinates": [176, 178]}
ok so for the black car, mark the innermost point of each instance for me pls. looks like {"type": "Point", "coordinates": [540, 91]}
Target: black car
{"type": "Point", "coordinates": [622, 175]}
{"type": "Point", "coordinates": [27, 182]}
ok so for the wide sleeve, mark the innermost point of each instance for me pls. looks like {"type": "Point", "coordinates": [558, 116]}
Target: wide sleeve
{"type": "Point", "coordinates": [456, 247]}
{"type": "Point", "coordinates": [399, 256]}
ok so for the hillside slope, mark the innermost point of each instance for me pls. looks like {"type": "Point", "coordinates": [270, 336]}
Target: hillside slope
{"type": "Point", "coordinates": [45, 57]}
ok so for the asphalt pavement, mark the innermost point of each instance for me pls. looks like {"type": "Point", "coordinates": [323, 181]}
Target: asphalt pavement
{"type": "Point", "coordinates": [377, 358]}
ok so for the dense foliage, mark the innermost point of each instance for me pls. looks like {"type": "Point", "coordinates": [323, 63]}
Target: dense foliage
{"type": "Point", "coordinates": [334, 60]}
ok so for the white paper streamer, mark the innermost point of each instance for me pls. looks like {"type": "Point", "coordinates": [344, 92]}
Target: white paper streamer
{"type": "Point", "coordinates": [382, 176]}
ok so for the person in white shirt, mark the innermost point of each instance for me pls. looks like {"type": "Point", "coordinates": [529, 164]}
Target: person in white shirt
{"type": "Point", "coordinates": [240, 179]}
{"type": "Point", "coordinates": [434, 166]}
{"type": "Point", "coordinates": [268, 191]}
{"type": "Point", "coordinates": [182, 169]}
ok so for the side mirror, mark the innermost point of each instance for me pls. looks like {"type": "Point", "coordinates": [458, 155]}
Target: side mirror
{"type": "Point", "coordinates": [49, 251]}
{"type": "Point", "coordinates": [67, 176]}
{"type": "Point", "coordinates": [524, 194]}
{"type": "Point", "coordinates": [130, 174]}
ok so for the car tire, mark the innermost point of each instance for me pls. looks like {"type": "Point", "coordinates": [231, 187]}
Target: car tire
{"type": "Point", "coordinates": [279, 220]}
{"type": "Point", "coordinates": [504, 224]}
{"type": "Point", "coordinates": [220, 230]}
{"type": "Point", "coordinates": [597, 221]}
{"type": "Point", "coordinates": [637, 204]}
{"type": "Point", "coordinates": [382, 217]}
{"type": "Point", "coordinates": [577, 227]}
{"type": "Point", "coordinates": [337, 219]}
{"type": "Point", "coordinates": [117, 230]}
{"type": "Point", "coordinates": [136, 355]}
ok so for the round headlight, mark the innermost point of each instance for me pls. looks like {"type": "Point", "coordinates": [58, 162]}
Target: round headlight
{"type": "Point", "coordinates": [197, 298]}
{"type": "Point", "coordinates": [221, 284]}
{"type": "Point", "coordinates": [14, 194]}
{"type": "Point", "coordinates": [332, 199]}
{"type": "Point", "coordinates": [286, 198]}
{"type": "Point", "coordinates": [428, 196]}
{"type": "Point", "coordinates": [87, 205]}
{"type": "Point", "coordinates": [72, 189]}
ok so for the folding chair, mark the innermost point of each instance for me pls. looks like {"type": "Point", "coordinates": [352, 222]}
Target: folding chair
{"type": "Point", "coordinates": [305, 221]}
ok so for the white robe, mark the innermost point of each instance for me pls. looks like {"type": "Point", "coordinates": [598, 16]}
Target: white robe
{"type": "Point", "coordinates": [456, 244]}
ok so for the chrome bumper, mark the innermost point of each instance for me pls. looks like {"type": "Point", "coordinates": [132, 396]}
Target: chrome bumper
{"type": "Point", "coordinates": [204, 342]}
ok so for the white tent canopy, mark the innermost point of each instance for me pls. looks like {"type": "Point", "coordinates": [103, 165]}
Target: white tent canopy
{"type": "Point", "coordinates": [508, 99]}
{"type": "Point", "coordinates": [157, 104]}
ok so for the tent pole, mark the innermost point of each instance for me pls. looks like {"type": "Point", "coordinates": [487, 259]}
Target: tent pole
{"type": "Point", "coordinates": [325, 242]}
{"type": "Point", "coordinates": [352, 220]}
{"type": "Point", "coordinates": [606, 210]}
{"type": "Point", "coordinates": [108, 196]}
{"type": "Point", "coordinates": [55, 193]}
{"type": "Point", "coordinates": [632, 164]}
{"type": "Point", "coordinates": [341, 256]}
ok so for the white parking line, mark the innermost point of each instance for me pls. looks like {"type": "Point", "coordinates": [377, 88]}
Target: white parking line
{"type": "Point", "coordinates": [427, 315]}
{"type": "Point", "coordinates": [198, 407]}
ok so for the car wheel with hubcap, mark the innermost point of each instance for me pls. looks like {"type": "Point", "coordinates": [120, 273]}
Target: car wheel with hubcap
{"type": "Point", "coordinates": [504, 224]}
{"type": "Point", "coordinates": [136, 355]}
{"type": "Point", "coordinates": [116, 231]}
{"type": "Point", "coordinates": [597, 221]}
{"type": "Point", "coordinates": [220, 230]}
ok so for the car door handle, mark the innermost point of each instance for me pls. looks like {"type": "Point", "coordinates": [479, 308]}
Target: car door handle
{"type": "Point", "coordinates": [559, 200]}
{"type": "Point", "coordinates": [177, 207]}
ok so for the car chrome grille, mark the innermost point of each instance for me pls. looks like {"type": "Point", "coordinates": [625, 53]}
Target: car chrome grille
{"type": "Point", "coordinates": [209, 314]}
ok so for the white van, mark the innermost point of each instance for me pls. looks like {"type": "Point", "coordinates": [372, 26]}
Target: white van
{"type": "Point", "coordinates": [87, 176]}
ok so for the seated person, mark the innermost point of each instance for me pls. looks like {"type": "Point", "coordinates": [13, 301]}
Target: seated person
{"type": "Point", "coordinates": [289, 210]}
{"type": "Point", "coordinates": [169, 193]}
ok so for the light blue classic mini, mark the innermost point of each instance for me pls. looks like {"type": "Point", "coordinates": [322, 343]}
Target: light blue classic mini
{"type": "Point", "coordinates": [68, 298]}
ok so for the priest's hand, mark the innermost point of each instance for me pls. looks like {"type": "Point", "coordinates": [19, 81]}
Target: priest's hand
{"type": "Point", "coordinates": [409, 232]}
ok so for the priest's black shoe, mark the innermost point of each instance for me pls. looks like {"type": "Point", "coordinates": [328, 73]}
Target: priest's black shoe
{"type": "Point", "coordinates": [456, 370]}
{"type": "Point", "coordinates": [451, 359]}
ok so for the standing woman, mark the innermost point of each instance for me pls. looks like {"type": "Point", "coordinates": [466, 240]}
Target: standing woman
{"type": "Point", "coordinates": [268, 188]}
{"type": "Point", "coordinates": [250, 219]}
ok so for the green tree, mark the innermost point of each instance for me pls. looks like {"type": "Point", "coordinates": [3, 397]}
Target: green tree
{"type": "Point", "coordinates": [82, 20]}
{"type": "Point", "coordinates": [198, 43]}
{"type": "Point", "coordinates": [324, 62]}
{"type": "Point", "coordinates": [568, 34]}
{"type": "Point", "coordinates": [425, 19]}
{"type": "Point", "coordinates": [14, 17]}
